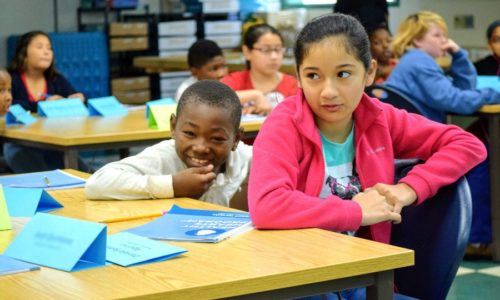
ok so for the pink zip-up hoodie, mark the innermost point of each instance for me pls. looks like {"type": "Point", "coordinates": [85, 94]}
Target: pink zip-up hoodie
{"type": "Point", "coordinates": [288, 169]}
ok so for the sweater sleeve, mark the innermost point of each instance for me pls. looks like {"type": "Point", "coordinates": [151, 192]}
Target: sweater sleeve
{"type": "Point", "coordinates": [462, 71]}
{"type": "Point", "coordinates": [448, 151]}
{"type": "Point", "coordinates": [440, 93]}
{"type": "Point", "coordinates": [143, 176]}
{"type": "Point", "coordinates": [277, 198]}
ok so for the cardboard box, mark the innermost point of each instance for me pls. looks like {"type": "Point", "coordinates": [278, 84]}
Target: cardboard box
{"type": "Point", "coordinates": [128, 44]}
{"type": "Point", "coordinates": [130, 83]}
{"type": "Point", "coordinates": [133, 97]}
{"type": "Point", "coordinates": [128, 29]}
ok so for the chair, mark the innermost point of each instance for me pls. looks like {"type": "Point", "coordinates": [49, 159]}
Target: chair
{"type": "Point", "coordinates": [393, 97]}
{"type": "Point", "coordinates": [438, 231]}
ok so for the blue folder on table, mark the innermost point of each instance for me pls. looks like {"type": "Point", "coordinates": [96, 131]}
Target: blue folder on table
{"type": "Point", "coordinates": [50, 180]}
{"type": "Point", "coordinates": [61, 243]}
{"type": "Point", "coordinates": [127, 249]}
{"type": "Point", "coordinates": [25, 202]}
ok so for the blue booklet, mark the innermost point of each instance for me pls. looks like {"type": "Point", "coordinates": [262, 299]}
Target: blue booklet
{"type": "Point", "coordinates": [10, 265]}
{"type": "Point", "coordinates": [194, 225]}
{"type": "Point", "coordinates": [127, 249]}
{"type": "Point", "coordinates": [49, 180]}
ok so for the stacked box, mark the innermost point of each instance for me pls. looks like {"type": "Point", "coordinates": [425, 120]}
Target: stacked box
{"type": "Point", "coordinates": [131, 90]}
{"type": "Point", "coordinates": [128, 36]}
{"type": "Point", "coordinates": [170, 81]}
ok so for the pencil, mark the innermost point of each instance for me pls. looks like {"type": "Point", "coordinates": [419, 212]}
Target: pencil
{"type": "Point", "coordinates": [130, 218]}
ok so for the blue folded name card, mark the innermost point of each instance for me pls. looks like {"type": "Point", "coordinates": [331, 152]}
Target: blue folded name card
{"type": "Point", "coordinates": [61, 243]}
{"type": "Point", "coordinates": [106, 106]}
{"type": "Point", "coordinates": [164, 101]}
{"type": "Point", "coordinates": [25, 202]}
{"type": "Point", "coordinates": [488, 82]}
{"type": "Point", "coordinates": [72, 107]}
{"type": "Point", "coordinates": [127, 249]}
{"type": "Point", "coordinates": [18, 115]}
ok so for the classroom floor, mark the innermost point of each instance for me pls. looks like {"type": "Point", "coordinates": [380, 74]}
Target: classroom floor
{"type": "Point", "coordinates": [476, 280]}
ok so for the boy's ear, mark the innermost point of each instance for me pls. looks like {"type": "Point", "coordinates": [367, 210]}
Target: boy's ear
{"type": "Point", "coordinates": [194, 71]}
{"type": "Point", "coordinates": [173, 121]}
{"type": "Point", "coordinates": [370, 74]}
{"type": "Point", "coordinates": [237, 138]}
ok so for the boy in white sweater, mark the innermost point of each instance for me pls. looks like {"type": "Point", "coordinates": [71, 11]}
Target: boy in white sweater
{"type": "Point", "coordinates": [204, 159]}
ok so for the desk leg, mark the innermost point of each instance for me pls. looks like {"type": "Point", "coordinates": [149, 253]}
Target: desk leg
{"type": "Point", "coordinates": [383, 287]}
{"type": "Point", "coordinates": [71, 159]}
{"type": "Point", "coordinates": [494, 133]}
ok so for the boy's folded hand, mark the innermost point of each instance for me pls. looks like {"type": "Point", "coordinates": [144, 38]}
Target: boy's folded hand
{"type": "Point", "coordinates": [193, 182]}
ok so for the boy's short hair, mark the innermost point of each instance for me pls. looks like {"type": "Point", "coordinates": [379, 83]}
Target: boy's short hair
{"type": "Point", "coordinates": [214, 94]}
{"type": "Point", "coordinates": [491, 28]}
{"type": "Point", "coordinates": [201, 52]}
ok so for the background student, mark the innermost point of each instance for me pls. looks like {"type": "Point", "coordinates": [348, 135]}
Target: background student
{"type": "Point", "coordinates": [34, 79]}
{"type": "Point", "coordinates": [262, 85]}
{"type": "Point", "coordinates": [203, 160]}
{"type": "Point", "coordinates": [421, 39]}
{"type": "Point", "coordinates": [325, 157]}
{"type": "Point", "coordinates": [490, 65]}
{"type": "Point", "coordinates": [380, 42]}
{"type": "Point", "coordinates": [206, 61]}
{"type": "Point", "coordinates": [5, 91]}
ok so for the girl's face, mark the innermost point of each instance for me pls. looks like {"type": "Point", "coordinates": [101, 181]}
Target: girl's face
{"type": "Point", "coordinates": [39, 53]}
{"type": "Point", "coordinates": [494, 42]}
{"type": "Point", "coordinates": [266, 54]}
{"type": "Point", "coordinates": [333, 82]}
{"type": "Point", "coordinates": [379, 44]}
{"type": "Point", "coordinates": [433, 42]}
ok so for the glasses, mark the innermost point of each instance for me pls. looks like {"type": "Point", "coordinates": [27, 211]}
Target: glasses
{"type": "Point", "coordinates": [269, 51]}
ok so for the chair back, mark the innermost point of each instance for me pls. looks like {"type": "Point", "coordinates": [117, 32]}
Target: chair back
{"type": "Point", "coordinates": [393, 97]}
{"type": "Point", "coordinates": [438, 231]}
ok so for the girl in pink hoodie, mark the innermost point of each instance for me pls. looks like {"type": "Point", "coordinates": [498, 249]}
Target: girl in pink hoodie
{"type": "Point", "coordinates": [325, 157]}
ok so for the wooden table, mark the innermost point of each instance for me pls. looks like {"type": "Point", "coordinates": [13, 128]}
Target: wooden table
{"type": "Point", "coordinates": [71, 135]}
{"type": "Point", "coordinates": [268, 264]}
{"type": "Point", "coordinates": [234, 62]}
{"type": "Point", "coordinates": [492, 114]}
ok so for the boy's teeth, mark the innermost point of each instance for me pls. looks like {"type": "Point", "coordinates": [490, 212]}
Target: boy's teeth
{"type": "Point", "coordinates": [200, 161]}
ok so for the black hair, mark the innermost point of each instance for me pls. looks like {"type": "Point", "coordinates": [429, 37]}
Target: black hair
{"type": "Point", "coordinates": [331, 25]}
{"type": "Point", "coordinates": [214, 94]}
{"type": "Point", "coordinates": [372, 29]}
{"type": "Point", "coordinates": [254, 33]}
{"type": "Point", "coordinates": [491, 28]}
{"type": "Point", "coordinates": [201, 52]}
{"type": "Point", "coordinates": [18, 63]}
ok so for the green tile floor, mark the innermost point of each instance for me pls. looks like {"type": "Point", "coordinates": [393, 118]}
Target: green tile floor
{"type": "Point", "coordinates": [476, 280]}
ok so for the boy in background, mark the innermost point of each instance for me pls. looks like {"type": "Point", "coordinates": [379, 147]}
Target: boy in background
{"type": "Point", "coordinates": [5, 91]}
{"type": "Point", "coordinates": [204, 160]}
{"type": "Point", "coordinates": [206, 61]}
{"type": "Point", "coordinates": [490, 65]}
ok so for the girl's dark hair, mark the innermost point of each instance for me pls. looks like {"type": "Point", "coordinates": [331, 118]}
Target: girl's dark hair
{"type": "Point", "coordinates": [254, 33]}
{"type": "Point", "coordinates": [491, 28]}
{"type": "Point", "coordinates": [18, 63]}
{"type": "Point", "coordinates": [334, 25]}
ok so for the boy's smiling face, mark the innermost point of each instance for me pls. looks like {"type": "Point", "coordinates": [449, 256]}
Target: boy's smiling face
{"type": "Point", "coordinates": [204, 135]}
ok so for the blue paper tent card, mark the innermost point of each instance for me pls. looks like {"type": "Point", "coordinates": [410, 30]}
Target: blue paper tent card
{"type": "Point", "coordinates": [164, 101]}
{"type": "Point", "coordinates": [49, 180]}
{"type": "Point", "coordinates": [61, 243]}
{"type": "Point", "coordinates": [127, 249]}
{"type": "Point", "coordinates": [18, 115]}
{"type": "Point", "coordinates": [106, 106]}
{"type": "Point", "coordinates": [72, 107]}
{"type": "Point", "coordinates": [210, 226]}
{"type": "Point", "coordinates": [488, 82]}
{"type": "Point", "coordinates": [25, 202]}
{"type": "Point", "coordinates": [9, 265]}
